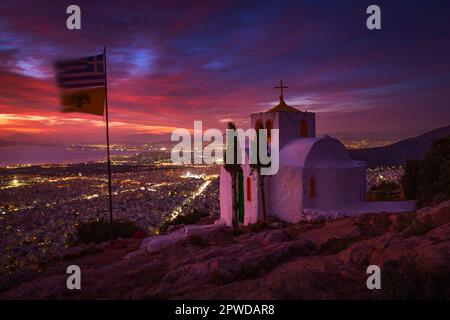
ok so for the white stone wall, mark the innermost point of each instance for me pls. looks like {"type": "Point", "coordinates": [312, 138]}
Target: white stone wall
{"type": "Point", "coordinates": [290, 128]}
{"type": "Point", "coordinates": [335, 186]}
{"type": "Point", "coordinates": [288, 123]}
{"type": "Point", "coordinates": [340, 182]}
{"type": "Point", "coordinates": [285, 194]}
{"type": "Point", "coordinates": [252, 211]}
{"type": "Point", "coordinates": [226, 208]}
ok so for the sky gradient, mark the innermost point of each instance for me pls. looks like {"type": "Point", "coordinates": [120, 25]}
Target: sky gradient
{"type": "Point", "coordinates": [173, 62]}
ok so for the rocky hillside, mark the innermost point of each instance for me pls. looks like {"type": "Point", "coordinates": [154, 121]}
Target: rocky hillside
{"type": "Point", "coordinates": [322, 260]}
{"type": "Point", "coordinates": [398, 153]}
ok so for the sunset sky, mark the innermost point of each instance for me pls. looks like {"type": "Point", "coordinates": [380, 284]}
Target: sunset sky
{"type": "Point", "coordinates": [173, 62]}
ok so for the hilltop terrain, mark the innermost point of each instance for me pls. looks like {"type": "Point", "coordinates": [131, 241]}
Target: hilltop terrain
{"type": "Point", "coordinates": [321, 260]}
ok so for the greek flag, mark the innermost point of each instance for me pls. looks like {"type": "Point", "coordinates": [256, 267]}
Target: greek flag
{"type": "Point", "coordinates": [83, 84]}
{"type": "Point", "coordinates": [81, 73]}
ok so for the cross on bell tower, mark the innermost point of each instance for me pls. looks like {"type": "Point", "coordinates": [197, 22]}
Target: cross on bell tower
{"type": "Point", "coordinates": [290, 122]}
{"type": "Point", "coordinates": [281, 87]}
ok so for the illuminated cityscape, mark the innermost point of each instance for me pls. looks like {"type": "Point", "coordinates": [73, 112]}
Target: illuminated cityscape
{"type": "Point", "coordinates": [376, 176]}
{"type": "Point", "coordinates": [147, 189]}
{"type": "Point", "coordinates": [366, 143]}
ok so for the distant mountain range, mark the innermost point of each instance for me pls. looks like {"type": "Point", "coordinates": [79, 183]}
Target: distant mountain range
{"type": "Point", "coordinates": [22, 139]}
{"type": "Point", "coordinates": [398, 153]}
{"type": "Point", "coordinates": [18, 139]}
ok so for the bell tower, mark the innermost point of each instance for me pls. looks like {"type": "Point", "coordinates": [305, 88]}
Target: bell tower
{"type": "Point", "coordinates": [292, 123]}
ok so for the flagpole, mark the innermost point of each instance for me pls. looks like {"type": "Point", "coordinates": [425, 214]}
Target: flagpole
{"type": "Point", "coordinates": [107, 151]}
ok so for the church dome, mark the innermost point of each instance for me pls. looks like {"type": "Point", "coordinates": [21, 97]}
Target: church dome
{"type": "Point", "coordinates": [321, 151]}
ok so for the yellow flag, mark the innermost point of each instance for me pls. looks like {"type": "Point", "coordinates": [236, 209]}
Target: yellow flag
{"type": "Point", "coordinates": [90, 100]}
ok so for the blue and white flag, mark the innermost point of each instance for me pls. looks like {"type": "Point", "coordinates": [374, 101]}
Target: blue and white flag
{"type": "Point", "coordinates": [83, 84]}
{"type": "Point", "coordinates": [81, 73]}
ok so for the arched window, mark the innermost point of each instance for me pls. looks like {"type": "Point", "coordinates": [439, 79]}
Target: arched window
{"type": "Point", "coordinates": [269, 126]}
{"type": "Point", "coordinates": [249, 189]}
{"type": "Point", "coordinates": [312, 187]}
{"type": "Point", "coordinates": [304, 128]}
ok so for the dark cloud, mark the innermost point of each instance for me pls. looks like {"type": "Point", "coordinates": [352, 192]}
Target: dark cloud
{"type": "Point", "coordinates": [172, 62]}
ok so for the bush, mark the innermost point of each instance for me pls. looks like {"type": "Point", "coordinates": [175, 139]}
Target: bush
{"type": "Point", "coordinates": [409, 179]}
{"type": "Point", "coordinates": [428, 180]}
{"type": "Point", "coordinates": [98, 231]}
{"type": "Point", "coordinates": [385, 186]}
{"type": "Point", "coordinates": [433, 181]}
{"type": "Point", "coordinates": [386, 191]}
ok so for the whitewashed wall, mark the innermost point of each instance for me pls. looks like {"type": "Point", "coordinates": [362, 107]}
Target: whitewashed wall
{"type": "Point", "coordinates": [226, 207]}
{"type": "Point", "coordinates": [285, 194]}
{"type": "Point", "coordinates": [335, 186]}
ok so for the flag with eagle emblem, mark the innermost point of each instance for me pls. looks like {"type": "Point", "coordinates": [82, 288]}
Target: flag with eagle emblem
{"type": "Point", "coordinates": [83, 84]}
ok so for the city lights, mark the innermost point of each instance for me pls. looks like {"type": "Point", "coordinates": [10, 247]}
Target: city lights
{"type": "Point", "coordinates": [147, 190]}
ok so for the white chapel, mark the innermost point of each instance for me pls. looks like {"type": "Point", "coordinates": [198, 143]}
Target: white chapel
{"type": "Point", "coordinates": [315, 173]}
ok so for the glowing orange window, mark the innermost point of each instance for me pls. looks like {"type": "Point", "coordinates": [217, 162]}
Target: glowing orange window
{"type": "Point", "coordinates": [249, 189]}
{"type": "Point", "coordinates": [312, 187]}
{"type": "Point", "coordinates": [303, 128]}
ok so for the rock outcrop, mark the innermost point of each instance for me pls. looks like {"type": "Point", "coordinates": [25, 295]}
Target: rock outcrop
{"type": "Point", "coordinates": [323, 260]}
